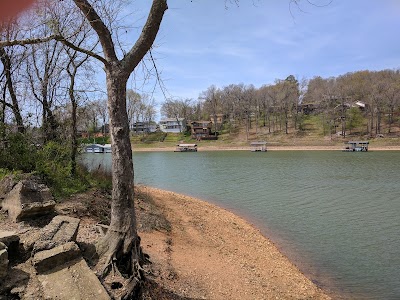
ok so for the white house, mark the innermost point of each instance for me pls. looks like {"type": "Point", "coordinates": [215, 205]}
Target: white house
{"type": "Point", "coordinates": [173, 125]}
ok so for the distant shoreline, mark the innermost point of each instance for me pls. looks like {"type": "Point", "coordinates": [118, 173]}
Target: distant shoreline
{"type": "Point", "coordinates": [271, 148]}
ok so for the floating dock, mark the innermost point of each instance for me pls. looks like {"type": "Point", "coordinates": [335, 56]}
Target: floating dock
{"type": "Point", "coordinates": [356, 146]}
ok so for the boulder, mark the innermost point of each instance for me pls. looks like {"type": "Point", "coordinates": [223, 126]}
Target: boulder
{"type": "Point", "coordinates": [3, 261]}
{"type": "Point", "coordinates": [28, 199]}
{"type": "Point", "coordinates": [6, 185]}
{"type": "Point", "coordinates": [61, 230]}
{"type": "Point", "coordinates": [47, 260]}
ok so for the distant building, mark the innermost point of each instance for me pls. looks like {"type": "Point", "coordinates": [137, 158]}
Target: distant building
{"type": "Point", "coordinates": [201, 130]}
{"type": "Point", "coordinates": [361, 105]}
{"type": "Point", "coordinates": [143, 127]}
{"type": "Point", "coordinates": [173, 125]}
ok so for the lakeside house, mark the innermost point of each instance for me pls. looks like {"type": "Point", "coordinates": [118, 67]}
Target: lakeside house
{"type": "Point", "coordinates": [143, 127]}
{"type": "Point", "coordinates": [201, 130]}
{"type": "Point", "coordinates": [173, 125]}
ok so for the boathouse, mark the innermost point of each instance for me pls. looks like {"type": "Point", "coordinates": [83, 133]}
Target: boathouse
{"type": "Point", "coordinates": [97, 148]}
{"type": "Point", "coordinates": [356, 146]}
{"type": "Point", "coordinates": [186, 148]}
{"type": "Point", "coordinates": [259, 146]}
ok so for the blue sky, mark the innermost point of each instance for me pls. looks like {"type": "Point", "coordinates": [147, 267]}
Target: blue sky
{"type": "Point", "coordinates": [202, 43]}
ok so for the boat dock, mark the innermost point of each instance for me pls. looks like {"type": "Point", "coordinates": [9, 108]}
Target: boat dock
{"type": "Point", "coordinates": [186, 148]}
{"type": "Point", "coordinates": [259, 146]}
{"type": "Point", "coordinates": [356, 146]}
{"type": "Point", "coordinates": [97, 148]}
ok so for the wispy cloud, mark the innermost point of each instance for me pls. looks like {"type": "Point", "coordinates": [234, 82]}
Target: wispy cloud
{"type": "Point", "coordinates": [201, 43]}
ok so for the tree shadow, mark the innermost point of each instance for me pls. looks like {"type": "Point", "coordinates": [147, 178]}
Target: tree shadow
{"type": "Point", "coordinates": [89, 253]}
{"type": "Point", "coordinates": [153, 290]}
{"type": "Point", "coordinates": [14, 279]}
{"type": "Point", "coordinates": [39, 221]}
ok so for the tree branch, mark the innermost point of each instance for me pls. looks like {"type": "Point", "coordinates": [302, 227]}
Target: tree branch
{"type": "Point", "coordinates": [147, 37]}
{"type": "Point", "coordinates": [79, 49]}
{"type": "Point", "coordinates": [27, 41]}
{"type": "Point", "coordinates": [100, 28]}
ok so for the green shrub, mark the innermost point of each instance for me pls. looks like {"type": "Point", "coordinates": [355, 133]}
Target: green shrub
{"type": "Point", "coordinates": [54, 166]}
{"type": "Point", "coordinates": [52, 163]}
{"type": "Point", "coordinates": [18, 153]}
{"type": "Point", "coordinates": [102, 178]}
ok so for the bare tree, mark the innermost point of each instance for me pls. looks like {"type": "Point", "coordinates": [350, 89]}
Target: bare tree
{"type": "Point", "coordinates": [212, 104]}
{"type": "Point", "coordinates": [287, 94]}
{"type": "Point", "coordinates": [120, 247]}
{"type": "Point", "coordinates": [391, 93]}
{"type": "Point", "coordinates": [44, 70]}
{"type": "Point", "coordinates": [74, 64]}
{"type": "Point", "coordinates": [11, 60]}
{"type": "Point", "coordinates": [265, 101]}
{"type": "Point", "coordinates": [7, 69]}
{"type": "Point", "coordinates": [121, 244]}
{"type": "Point", "coordinates": [133, 103]}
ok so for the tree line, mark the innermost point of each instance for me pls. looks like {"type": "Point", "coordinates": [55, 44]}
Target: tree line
{"type": "Point", "coordinates": [342, 102]}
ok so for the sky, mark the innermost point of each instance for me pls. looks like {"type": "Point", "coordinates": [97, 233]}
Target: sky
{"type": "Point", "coordinates": [205, 42]}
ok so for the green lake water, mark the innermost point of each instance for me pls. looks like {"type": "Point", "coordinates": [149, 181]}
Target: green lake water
{"type": "Point", "coordinates": [335, 214]}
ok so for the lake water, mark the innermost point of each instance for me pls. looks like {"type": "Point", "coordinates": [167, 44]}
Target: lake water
{"type": "Point", "coordinates": [335, 214]}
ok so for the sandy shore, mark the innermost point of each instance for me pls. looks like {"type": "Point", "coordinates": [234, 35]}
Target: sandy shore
{"type": "Point", "coordinates": [210, 253]}
{"type": "Point", "coordinates": [198, 250]}
{"type": "Point", "coordinates": [269, 148]}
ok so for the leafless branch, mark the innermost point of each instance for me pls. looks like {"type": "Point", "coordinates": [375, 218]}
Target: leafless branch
{"type": "Point", "coordinates": [27, 41]}
{"type": "Point", "coordinates": [100, 28]}
{"type": "Point", "coordinates": [147, 36]}
{"type": "Point", "coordinates": [159, 80]}
{"type": "Point", "coordinates": [79, 49]}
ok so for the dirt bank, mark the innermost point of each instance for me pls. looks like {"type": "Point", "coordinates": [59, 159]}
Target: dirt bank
{"type": "Point", "coordinates": [198, 250]}
{"type": "Point", "coordinates": [210, 253]}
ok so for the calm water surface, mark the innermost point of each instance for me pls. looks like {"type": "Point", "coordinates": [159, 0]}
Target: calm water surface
{"type": "Point", "coordinates": [334, 214]}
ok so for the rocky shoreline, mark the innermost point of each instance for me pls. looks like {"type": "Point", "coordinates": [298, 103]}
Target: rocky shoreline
{"type": "Point", "coordinates": [197, 250]}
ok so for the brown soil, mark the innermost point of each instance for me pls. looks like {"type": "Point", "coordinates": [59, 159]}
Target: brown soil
{"type": "Point", "coordinates": [198, 251]}
{"type": "Point", "coordinates": [210, 253]}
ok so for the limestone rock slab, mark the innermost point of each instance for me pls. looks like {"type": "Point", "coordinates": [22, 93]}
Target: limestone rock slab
{"type": "Point", "coordinates": [73, 282]}
{"type": "Point", "coordinates": [11, 240]}
{"type": "Point", "coordinates": [47, 260]}
{"type": "Point", "coordinates": [28, 199]}
{"type": "Point", "coordinates": [61, 230]}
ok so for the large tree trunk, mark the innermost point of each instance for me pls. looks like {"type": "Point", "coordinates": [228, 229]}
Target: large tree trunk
{"type": "Point", "coordinates": [121, 244]}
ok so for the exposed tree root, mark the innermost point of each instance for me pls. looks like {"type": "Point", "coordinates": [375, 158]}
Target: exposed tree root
{"type": "Point", "coordinates": [125, 258]}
